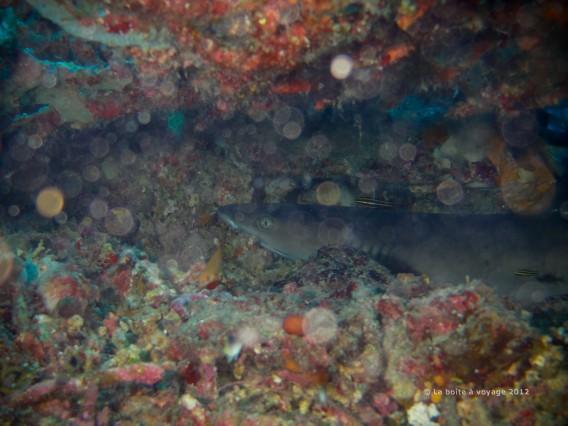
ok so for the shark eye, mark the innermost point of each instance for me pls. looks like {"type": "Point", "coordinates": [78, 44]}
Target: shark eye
{"type": "Point", "coordinates": [265, 222]}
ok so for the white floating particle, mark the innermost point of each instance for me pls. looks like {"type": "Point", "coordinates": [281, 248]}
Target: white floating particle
{"type": "Point", "coordinates": [341, 67]}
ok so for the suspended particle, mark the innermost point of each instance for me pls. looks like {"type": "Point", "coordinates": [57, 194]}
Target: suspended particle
{"type": "Point", "coordinates": [49, 202]}
{"type": "Point", "coordinates": [258, 183]}
{"type": "Point", "coordinates": [282, 116]}
{"type": "Point", "coordinates": [328, 193]}
{"type": "Point", "coordinates": [131, 126]}
{"type": "Point", "coordinates": [363, 85]}
{"type": "Point", "coordinates": [292, 130]}
{"type": "Point", "coordinates": [450, 192]}
{"type": "Point", "coordinates": [119, 221]}
{"type": "Point", "coordinates": [367, 185]}
{"type": "Point", "coordinates": [257, 115]}
{"type": "Point", "coordinates": [168, 88]}
{"type": "Point", "coordinates": [49, 80]}
{"type": "Point", "coordinates": [318, 147]}
{"type": "Point", "coordinates": [98, 208]}
{"type": "Point", "coordinates": [144, 117]}
{"type": "Point", "coordinates": [110, 168]}
{"type": "Point", "coordinates": [288, 122]}
{"type": "Point", "coordinates": [99, 147]}
{"type": "Point", "coordinates": [91, 173]}
{"type": "Point", "coordinates": [407, 152]}
{"type": "Point", "coordinates": [127, 157]}
{"type": "Point", "coordinates": [388, 151]}
{"type": "Point", "coordinates": [172, 264]}
{"type": "Point", "coordinates": [35, 141]}
{"type": "Point", "coordinates": [341, 67]}
{"type": "Point", "coordinates": [13, 210]}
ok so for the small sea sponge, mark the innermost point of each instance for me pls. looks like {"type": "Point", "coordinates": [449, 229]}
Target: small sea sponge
{"type": "Point", "coordinates": [294, 324]}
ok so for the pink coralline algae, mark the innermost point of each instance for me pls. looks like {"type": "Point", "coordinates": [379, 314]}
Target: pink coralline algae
{"type": "Point", "coordinates": [440, 317]}
{"type": "Point", "coordinates": [45, 389]}
{"type": "Point", "coordinates": [429, 322]}
{"type": "Point", "coordinates": [142, 373]}
{"type": "Point", "coordinates": [389, 308]}
{"type": "Point", "coordinates": [384, 404]}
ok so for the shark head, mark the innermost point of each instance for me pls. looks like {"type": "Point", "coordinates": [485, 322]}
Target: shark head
{"type": "Point", "coordinates": [292, 231]}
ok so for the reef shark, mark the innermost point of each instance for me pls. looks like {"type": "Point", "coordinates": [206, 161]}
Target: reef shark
{"type": "Point", "coordinates": [522, 255]}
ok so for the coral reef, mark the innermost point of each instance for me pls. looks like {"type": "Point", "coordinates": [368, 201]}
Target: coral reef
{"type": "Point", "coordinates": [339, 340]}
{"type": "Point", "coordinates": [124, 125]}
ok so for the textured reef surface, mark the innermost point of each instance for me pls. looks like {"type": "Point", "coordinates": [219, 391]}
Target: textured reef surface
{"type": "Point", "coordinates": [124, 300]}
{"type": "Point", "coordinates": [339, 340]}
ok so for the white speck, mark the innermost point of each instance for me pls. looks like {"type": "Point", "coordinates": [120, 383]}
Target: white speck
{"type": "Point", "coordinates": [341, 67]}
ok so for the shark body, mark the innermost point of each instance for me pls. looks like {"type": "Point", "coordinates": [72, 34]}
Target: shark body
{"type": "Point", "coordinates": [511, 253]}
